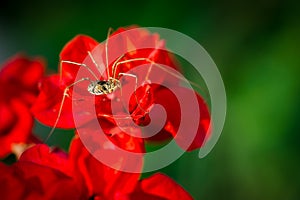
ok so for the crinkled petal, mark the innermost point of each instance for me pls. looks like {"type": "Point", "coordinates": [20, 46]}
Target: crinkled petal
{"type": "Point", "coordinates": [41, 154]}
{"type": "Point", "coordinates": [12, 187]}
{"type": "Point", "coordinates": [102, 180]}
{"type": "Point", "coordinates": [20, 130]}
{"type": "Point", "coordinates": [23, 71]}
{"type": "Point", "coordinates": [172, 106]}
{"type": "Point", "coordinates": [76, 50]}
{"type": "Point", "coordinates": [19, 79]}
{"type": "Point", "coordinates": [26, 180]}
{"type": "Point", "coordinates": [159, 187]}
{"type": "Point", "coordinates": [138, 44]}
{"type": "Point", "coordinates": [47, 106]}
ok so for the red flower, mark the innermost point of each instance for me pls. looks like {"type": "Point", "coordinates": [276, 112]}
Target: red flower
{"type": "Point", "coordinates": [41, 174]}
{"type": "Point", "coordinates": [108, 183]}
{"type": "Point", "coordinates": [81, 104]}
{"type": "Point", "coordinates": [19, 88]}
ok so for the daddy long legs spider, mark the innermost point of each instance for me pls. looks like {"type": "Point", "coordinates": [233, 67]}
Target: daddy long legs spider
{"type": "Point", "coordinates": [112, 81]}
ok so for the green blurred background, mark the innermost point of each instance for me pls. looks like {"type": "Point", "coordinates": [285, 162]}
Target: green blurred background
{"type": "Point", "coordinates": [255, 45]}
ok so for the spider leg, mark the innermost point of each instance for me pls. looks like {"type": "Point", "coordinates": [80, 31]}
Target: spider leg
{"type": "Point", "coordinates": [62, 103]}
{"type": "Point", "coordinates": [75, 63]}
{"type": "Point", "coordinates": [106, 49]}
{"type": "Point", "coordinates": [135, 88]}
{"type": "Point", "coordinates": [95, 63]}
{"type": "Point", "coordinates": [114, 66]}
{"type": "Point", "coordinates": [180, 77]}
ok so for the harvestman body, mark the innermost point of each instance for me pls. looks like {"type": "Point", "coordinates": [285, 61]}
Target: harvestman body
{"type": "Point", "coordinates": [103, 87]}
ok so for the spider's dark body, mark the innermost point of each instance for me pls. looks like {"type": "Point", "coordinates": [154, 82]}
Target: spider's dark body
{"type": "Point", "coordinates": [103, 87]}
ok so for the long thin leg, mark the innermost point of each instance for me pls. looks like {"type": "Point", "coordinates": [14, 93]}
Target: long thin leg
{"type": "Point", "coordinates": [95, 63]}
{"type": "Point", "coordinates": [62, 103]}
{"type": "Point", "coordinates": [115, 116]}
{"type": "Point", "coordinates": [106, 50]}
{"type": "Point", "coordinates": [160, 67]}
{"type": "Point", "coordinates": [78, 64]}
{"type": "Point", "coordinates": [114, 69]}
{"type": "Point", "coordinates": [135, 88]}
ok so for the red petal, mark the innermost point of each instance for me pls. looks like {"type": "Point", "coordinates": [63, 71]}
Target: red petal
{"type": "Point", "coordinates": [7, 119]}
{"type": "Point", "coordinates": [46, 183]}
{"type": "Point", "coordinates": [160, 186]}
{"type": "Point", "coordinates": [19, 79]}
{"type": "Point", "coordinates": [139, 43]}
{"type": "Point", "coordinates": [102, 180]}
{"type": "Point", "coordinates": [26, 180]}
{"type": "Point", "coordinates": [47, 105]}
{"type": "Point", "coordinates": [45, 174]}
{"type": "Point", "coordinates": [174, 115]}
{"type": "Point", "coordinates": [23, 72]}
{"type": "Point", "coordinates": [122, 139]}
{"type": "Point", "coordinates": [42, 155]}
{"type": "Point", "coordinates": [20, 131]}
{"type": "Point", "coordinates": [11, 186]}
{"type": "Point", "coordinates": [76, 50]}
